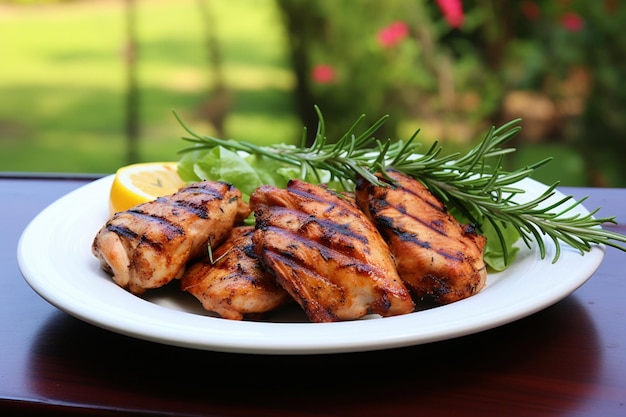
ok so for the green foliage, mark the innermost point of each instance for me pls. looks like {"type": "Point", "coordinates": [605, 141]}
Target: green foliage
{"type": "Point", "coordinates": [416, 73]}
{"type": "Point", "coordinates": [455, 80]}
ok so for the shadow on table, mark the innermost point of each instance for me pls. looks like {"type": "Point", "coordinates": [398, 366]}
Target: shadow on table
{"type": "Point", "coordinates": [503, 368]}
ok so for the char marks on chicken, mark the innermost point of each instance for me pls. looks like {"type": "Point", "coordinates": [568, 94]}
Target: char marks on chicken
{"type": "Point", "coordinates": [439, 259]}
{"type": "Point", "coordinates": [326, 253]}
{"type": "Point", "coordinates": [150, 244]}
{"type": "Point", "coordinates": [234, 284]}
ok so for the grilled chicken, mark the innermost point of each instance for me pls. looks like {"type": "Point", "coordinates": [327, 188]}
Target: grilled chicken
{"type": "Point", "coordinates": [150, 244]}
{"type": "Point", "coordinates": [326, 253]}
{"type": "Point", "coordinates": [439, 259]}
{"type": "Point", "coordinates": [236, 284]}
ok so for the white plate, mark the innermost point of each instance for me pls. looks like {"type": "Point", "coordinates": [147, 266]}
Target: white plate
{"type": "Point", "coordinates": [54, 255]}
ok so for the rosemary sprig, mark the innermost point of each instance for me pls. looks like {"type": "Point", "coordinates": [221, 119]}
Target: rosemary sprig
{"type": "Point", "coordinates": [351, 155]}
{"type": "Point", "coordinates": [481, 191]}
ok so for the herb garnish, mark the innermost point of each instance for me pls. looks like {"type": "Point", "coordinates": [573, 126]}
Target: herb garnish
{"type": "Point", "coordinates": [474, 186]}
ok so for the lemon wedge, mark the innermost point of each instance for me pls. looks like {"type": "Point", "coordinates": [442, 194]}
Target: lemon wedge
{"type": "Point", "coordinates": [140, 183]}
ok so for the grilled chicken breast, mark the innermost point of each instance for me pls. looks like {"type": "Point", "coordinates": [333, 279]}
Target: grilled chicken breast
{"type": "Point", "coordinates": [150, 244]}
{"type": "Point", "coordinates": [439, 259]}
{"type": "Point", "coordinates": [326, 253]}
{"type": "Point", "coordinates": [236, 284]}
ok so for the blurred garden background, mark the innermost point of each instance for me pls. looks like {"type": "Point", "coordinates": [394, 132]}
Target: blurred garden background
{"type": "Point", "coordinates": [91, 85]}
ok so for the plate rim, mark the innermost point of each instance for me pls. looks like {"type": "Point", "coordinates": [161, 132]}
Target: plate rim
{"type": "Point", "coordinates": [217, 334]}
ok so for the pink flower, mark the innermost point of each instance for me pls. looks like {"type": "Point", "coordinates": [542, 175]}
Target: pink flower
{"type": "Point", "coordinates": [531, 10]}
{"type": "Point", "coordinates": [393, 34]}
{"type": "Point", "coordinates": [572, 22]}
{"type": "Point", "coordinates": [323, 74]}
{"type": "Point", "coordinates": [452, 11]}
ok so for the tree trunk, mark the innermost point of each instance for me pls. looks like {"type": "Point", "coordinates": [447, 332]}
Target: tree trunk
{"type": "Point", "coordinates": [132, 90]}
{"type": "Point", "coordinates": [216, 107]}
{"type": "Point", "coordinates": [298, 21]}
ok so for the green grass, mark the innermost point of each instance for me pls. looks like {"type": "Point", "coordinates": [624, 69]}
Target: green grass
{"type": "Point", "coordinates": [62, 81]}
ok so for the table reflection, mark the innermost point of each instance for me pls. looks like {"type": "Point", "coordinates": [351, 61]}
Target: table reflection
{"type": "Point", "coordinates": [488, 363]}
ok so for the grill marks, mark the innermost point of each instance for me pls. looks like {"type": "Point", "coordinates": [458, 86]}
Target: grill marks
{"type": "Point", "coordinates": [326, 253]}
{"type": "Point", "coordinates": [235, 285]}
{"type": "Point", "coordinates": [437, 258]}
{"type": "Point", "coordinates": [150, 244]}
{"type": "Point", "coordinates": [340, 257]}
{"type": "Point", "coordinates": [166, 229]}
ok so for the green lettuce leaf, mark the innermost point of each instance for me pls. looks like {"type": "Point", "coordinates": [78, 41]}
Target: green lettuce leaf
{"type": "Point", "coordinates": [493, 254]}
{"type": "Point", "coordinates": [246, 172]}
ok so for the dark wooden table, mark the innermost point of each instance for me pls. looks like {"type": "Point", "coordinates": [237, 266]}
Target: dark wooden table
{"type": "Point", "coordinates": [567, 360]}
